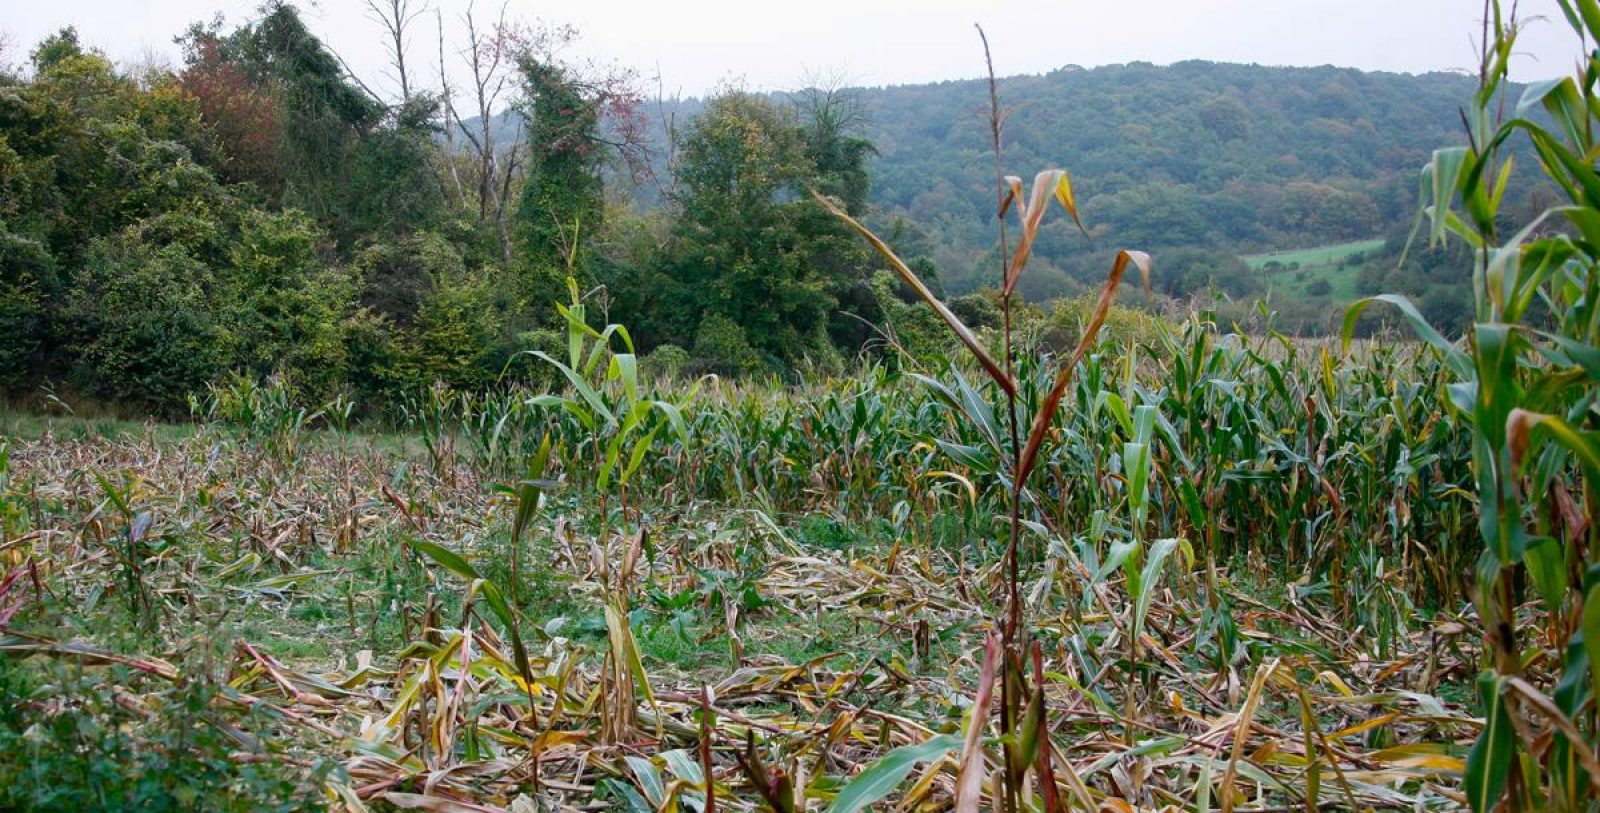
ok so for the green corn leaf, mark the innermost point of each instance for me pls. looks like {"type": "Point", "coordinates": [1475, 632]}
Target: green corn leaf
{"type": "Point", "coordinates": [448, 559]}
{"type": "Point", "coordinates": [1548, 568]}
{"type": "Point", "coordinates": [609, 465]}
{"type": "Point", "coordinates": [675, 419]}
{"type": "Point", "coordinates": [1589, 625]}
{"type": "Point", "coordinates": [1032, 728]}
{"type": "Point", "coordinates": [883, 776]}
{"type": "Point", "coordinates": [1561, 98]}
{"type": "Point", "coordinates": [1489, 761]}
{"type": "Point", "coordinates": [978, 411]}
{"type": "Point", "coordinates": [1590, 11]}
{"type": "Point", "coordinates": [1150, 575]}
{"type": "Point", "coordinates": [685, 767]}
{"type": "Point", "coordinates": [649, 777]}
{"type": "Point", "coordinates": [529, 489]}
{"type": "Point", "coordinates": [626, 650]}
{"type": "Point", "coordinates": [640, 449]}
{"type": "Point", "coordinates": [508, 616]}
{"type": "Point", "coordinates": [1453, 355]}
{"type": "Point", "coordinates": [455, 563]}
{"type": "Point", "coordinates": [630, 797]}
{"type": "Point", "coordinates": [1445, 179]}
{"type": "Point", "coordinates": [1119, 410]}
{"type": "Point", "coordinates": [582, 387]}
{"type": "Point", "coordinates": [625, 366]}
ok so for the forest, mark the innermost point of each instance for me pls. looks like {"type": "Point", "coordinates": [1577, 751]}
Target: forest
{"type": "Point", "coordinates": [1186, 438]}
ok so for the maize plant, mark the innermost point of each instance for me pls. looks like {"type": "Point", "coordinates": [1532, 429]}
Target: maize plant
{"type": "Point", "coordinates": [1525, 380]}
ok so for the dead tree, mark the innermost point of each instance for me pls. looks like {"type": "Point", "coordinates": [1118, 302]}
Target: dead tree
{"type": "Point", "coordinates": [396, 17]}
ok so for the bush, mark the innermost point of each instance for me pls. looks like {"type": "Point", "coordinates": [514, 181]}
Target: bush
{"type": "Point", "coordinates": [288, 310]}
{"type": "Point", "coordinates": [720, 347]}
{"type": "Point", "coordinates": [666, 363]}
{"type": "Point", "coordinates": [1124, 326]}
{"type": "Point", "coordinates": [457, 332]}
{"type": "Point", "coordinates": [1319, 287]}
{"type": "Point", "coordinates": [913, 327]}
{"type": "Point", "coordinates": [437, 320]}
{"type": "Point", "coordinates": [978, 310]}
{"type": "Point", "coordinates": [143, 323]}
{"type": "Point", "coordinates": [27, 273]}
{"type": "Point", "coordinates": [67, 744]}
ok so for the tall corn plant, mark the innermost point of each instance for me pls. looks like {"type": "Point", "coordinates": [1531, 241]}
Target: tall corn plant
{"type": "Point", "coordinates": [1024, 741]}
{"type": "Point", "coordinates": [1526, 381]}
{"type": "Point", "coordinates": [621, 425]}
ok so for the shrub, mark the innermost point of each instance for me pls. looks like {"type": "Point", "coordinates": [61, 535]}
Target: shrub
{"type": "Point", "coordinates": [143, 322]}
{"type": "Point", "coordinates": [912, 326]}
{"type": "Point", "coordinates": [667, 362]}
{"type": "Point", "coordinates": [27, 271]}
{"type": "Point", "coordinates": [436, 319]}
{"type": "Point", "coordinates": [978, 310]}
{"type": "Point", "coordinates": [288, 309]}
{"type": "Point", "coordinates": [1124, 326]}
{"type": "Point", "coordinates": [458, 330]}
{"type": "Point", "coordinates": [721, 347]}
{"type": "Point", "coordinates": [66, 743]}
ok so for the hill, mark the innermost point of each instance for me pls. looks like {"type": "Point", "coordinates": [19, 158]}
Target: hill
{"type": "Point", "coordinates": [1242, 159]}
{"type": "Point", "coordinates": [1220, 160]}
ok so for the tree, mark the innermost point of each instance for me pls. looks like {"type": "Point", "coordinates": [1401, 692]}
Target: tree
{"type": "Point", "coordinates": [27, 280]}
{"type": "Point", "coordinates": [433, 319]}
{"type": "Point", "coordinates": [491, 56]}
{"type": "Point", "coordinates": [325, 115]}
{"type": "Point", "coordinates": [749, 246]}
{"type": "Point", "coordinates": [396, 17]}
{"type": "Point", "coordinates": [57, 48]}
{"type": "Point", "coordinates": [561, 197]}
{"type": "Point", "coordinates": [246, 118]}
{"type": "Point", "coordinates": [285, 305]}
{"type": "Point", "coordinates": [832, 117]}
{"type": "Point", "coordinates": [144, 321]}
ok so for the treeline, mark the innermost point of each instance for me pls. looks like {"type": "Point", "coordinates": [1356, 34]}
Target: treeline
{"type": "Point", "coordinates": [1197, 162]}
{"type": "Point", "coordinates": [259, 211]}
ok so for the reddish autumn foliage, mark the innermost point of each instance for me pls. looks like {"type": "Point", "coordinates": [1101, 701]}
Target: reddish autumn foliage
{"type": "Point", "coordinates": [247, 117]}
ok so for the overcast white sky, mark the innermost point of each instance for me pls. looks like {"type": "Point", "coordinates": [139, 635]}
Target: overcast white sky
{"type": "Point", "coordinates": [695, 45]}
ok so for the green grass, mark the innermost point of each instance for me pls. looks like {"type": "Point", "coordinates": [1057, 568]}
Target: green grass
{"type": "Point", "coordinates": [1303, 268]}
{"type": "Point", "coordinates": [27, 426]}
{"type": "Point", "coordinates": [1329, 254]}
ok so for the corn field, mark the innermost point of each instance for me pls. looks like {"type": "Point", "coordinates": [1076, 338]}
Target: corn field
{"type": "Point", "coordinates": [1281, 637]}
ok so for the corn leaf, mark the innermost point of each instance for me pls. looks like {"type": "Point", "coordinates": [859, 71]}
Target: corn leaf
{"type": "Point", "coordinates": [910, 278]}
{"type": "Point", "coordinates": [888, 772]}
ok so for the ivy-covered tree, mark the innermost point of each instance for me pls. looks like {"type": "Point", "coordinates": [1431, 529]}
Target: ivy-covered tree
{"type": "Point", "coordinates": [750, 249]}
{"type": "Point", "coordinates": [294, 122]}
{"type": "Point", "coordinates": [561, 197]}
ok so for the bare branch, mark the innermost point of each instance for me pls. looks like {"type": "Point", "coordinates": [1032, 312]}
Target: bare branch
{"type": "Point", "coordinates": [452, 120]}
{"type": "Point", "coordinates": [396, 17]}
